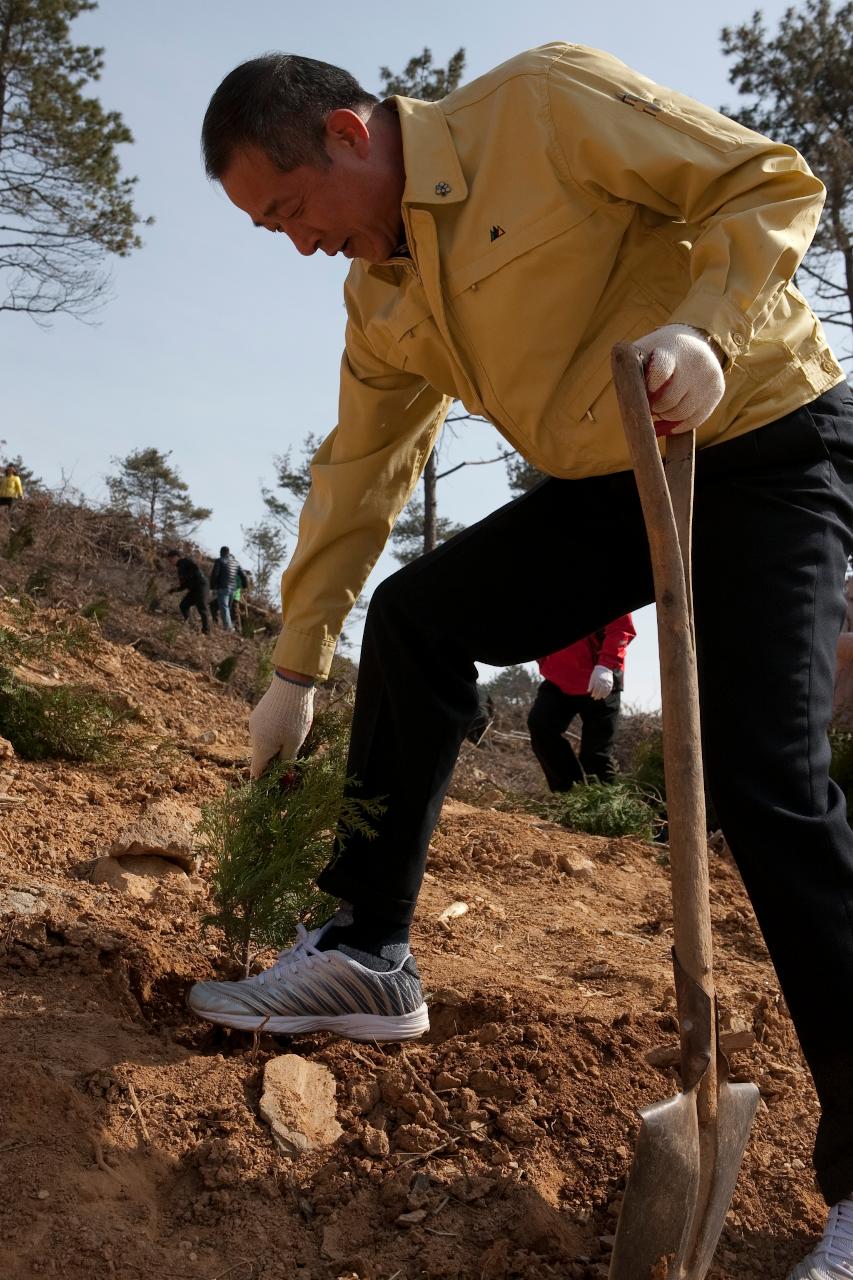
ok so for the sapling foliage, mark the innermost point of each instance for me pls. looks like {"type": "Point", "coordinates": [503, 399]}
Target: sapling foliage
{"type": "Point", "coordinates": [269, 838]}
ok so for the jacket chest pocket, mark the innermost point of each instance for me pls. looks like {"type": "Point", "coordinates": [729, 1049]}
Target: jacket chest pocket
{"type": "Point", "coordinates": [409, 339]}
{"type": "Point", "coordinates": [522, 310]}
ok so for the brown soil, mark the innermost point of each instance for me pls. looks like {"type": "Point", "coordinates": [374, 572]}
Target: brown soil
{"type": "Point", "coordinates": [131, 1143]}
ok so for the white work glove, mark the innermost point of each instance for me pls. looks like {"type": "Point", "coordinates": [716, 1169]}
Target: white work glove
{"type": "Point", "coordinates": [280, 722]}
{"type": "Point", "coordinates": [684, 379]}
{"type": "Point", "coordinates": [600, 683]}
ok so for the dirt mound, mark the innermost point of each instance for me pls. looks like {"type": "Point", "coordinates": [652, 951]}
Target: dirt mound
{"type": "Point", "coordinates": [497, 1147]}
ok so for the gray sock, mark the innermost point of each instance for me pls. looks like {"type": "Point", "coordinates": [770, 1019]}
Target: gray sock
{"type": "Point", "coordinates": [390, 956]}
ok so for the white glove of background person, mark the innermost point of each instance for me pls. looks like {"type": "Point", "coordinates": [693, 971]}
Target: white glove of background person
{"type": "Point", "coordinates": [280, 722]}
{"type": "Point", "coordinates": [600, 683]}
{"type": "Point", "coordinates": [684, 379]}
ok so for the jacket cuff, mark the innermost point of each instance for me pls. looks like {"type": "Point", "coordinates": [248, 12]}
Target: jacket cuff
{"type": "Point", "coordinates": [728, 327]}
{"type": "Point", "coordinates": [310, 655]}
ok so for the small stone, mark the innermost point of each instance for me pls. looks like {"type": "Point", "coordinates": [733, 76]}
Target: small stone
{"type": "Point", "coordinates": [578, 868]}
{"type": "Point", "coordinates": [411, 1103]}
{"type": "Point", "coordinates": [518, 1126]}
{"type": "Point", "coordinates": [489, 1033]}
{"type": "Point", "coordinates": [7, 751]}
{"type": "Point", "coordinates": [165, 829]}
{"type": "Point", "coordinates": [412, 1219]}
{"type": "Point", "coordinates": [298, 1103]}
{"type": "Point", "coordinates": [42, 1195]}
{"type": "Point", "coordinates": [414, 1138]}
{"type": "Point", "coordinates": [453, 912]}
{"type": "Point", "coordinates": [393, 1085]}
{"type": "Point", "coordinates": [364, 1096]}
{"type": "Point", "coordinates": [489, 1085]}
{"type": "Point", "coordinates": [444, 1080]}
{"type": "Point", "coordinates": [138, 877]}
{"type": "Point", "coordinates": [18, 902]}
{"type": "Point", "coordinates": [450, 998]}
{"type": "Point", "coordinates": [375, 1142]}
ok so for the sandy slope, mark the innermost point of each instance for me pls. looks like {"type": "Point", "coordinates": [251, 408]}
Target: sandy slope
{"type": "Point", "coordinates": [130, 1139]}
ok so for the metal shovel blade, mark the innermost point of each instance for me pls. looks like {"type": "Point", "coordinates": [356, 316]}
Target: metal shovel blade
{"type": "Point", "coordinates": [657, 1211]}
{"type": "Point", "coordinates": [736, 1107]}
{"type": "Point", "coordinates": [664, 1231]}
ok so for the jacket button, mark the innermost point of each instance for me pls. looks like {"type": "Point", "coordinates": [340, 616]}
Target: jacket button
{"type": "Point", "coordinates": [443, 188]}
{"type": "Point", "coordinates": [738, 339]}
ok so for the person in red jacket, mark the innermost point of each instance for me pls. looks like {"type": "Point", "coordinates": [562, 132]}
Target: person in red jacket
{"type": "Point", "coordinates": [586, 680]}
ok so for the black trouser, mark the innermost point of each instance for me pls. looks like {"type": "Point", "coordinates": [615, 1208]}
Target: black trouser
{"type": "Point", "coordinates": [550, 716]}
{"type": "Point", "coordinates": [772, 531]}
{"type": "Point", "coordinates": [199, 598]}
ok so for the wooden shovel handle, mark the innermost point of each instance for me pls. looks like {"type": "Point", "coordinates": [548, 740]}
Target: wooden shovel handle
{"type": "Point", "coordinates": [682, 751]}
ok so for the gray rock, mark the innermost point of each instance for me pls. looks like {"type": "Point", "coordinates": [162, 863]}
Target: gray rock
{"type": "Point", "coordinates": [298, 1103]}
{"type": "Point", "coordinates": [139, 876]}
{"type": "Point", "coordinates": [164, 829]}
{"type": "Point", "coordinates": [576, 866]}
{"type": "Point", "coordinates": [19, 902]}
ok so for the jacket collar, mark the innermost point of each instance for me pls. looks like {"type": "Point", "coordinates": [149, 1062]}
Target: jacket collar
{"type": "Point", "coordinates": [433, 172]}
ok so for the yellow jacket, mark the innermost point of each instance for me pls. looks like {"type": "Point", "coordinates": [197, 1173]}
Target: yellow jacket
{"type": "Point", "coordinates": [555, 206]}
{"type": "Point", "coordinates": [10, 486]}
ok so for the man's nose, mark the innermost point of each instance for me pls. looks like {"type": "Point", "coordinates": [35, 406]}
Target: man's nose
{"type": "Point", "coordinates": [305, 241]}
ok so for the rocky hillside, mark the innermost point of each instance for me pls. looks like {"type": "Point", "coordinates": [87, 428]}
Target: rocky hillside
{"type": "Point", "coordinates": [137, 1142]}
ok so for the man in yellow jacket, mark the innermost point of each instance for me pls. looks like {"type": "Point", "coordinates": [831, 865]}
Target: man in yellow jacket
{"type": "Point", "coordinates": [502, 241]}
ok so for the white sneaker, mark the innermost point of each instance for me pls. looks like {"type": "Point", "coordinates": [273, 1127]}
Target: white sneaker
{"type": "Point", "coordinates": [311, 990]}
{"type": "Point", "coordinates": [833, 1258]}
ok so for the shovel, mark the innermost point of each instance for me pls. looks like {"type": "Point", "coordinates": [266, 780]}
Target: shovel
{"type": "Point", "coordinates": [690, 1147]}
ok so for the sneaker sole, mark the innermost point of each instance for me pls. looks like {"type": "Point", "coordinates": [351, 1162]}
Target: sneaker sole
{"type": "Point", "coordinates": [353, 1026]}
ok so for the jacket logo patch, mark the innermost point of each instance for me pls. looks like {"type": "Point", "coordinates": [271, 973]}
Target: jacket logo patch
{"type": "Point", "coordinates": [496, 232]}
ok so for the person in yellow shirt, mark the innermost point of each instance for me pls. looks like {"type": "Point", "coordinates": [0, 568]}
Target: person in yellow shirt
{"type": "Point", "coordinates": [502, 240]}
{"type": "Point", "coordinates": [11, 489]}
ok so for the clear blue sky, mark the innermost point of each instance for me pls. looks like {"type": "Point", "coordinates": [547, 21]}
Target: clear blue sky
{"type": "Point", "coordinates": [222, 344]}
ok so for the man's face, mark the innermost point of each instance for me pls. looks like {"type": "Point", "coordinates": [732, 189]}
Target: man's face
{"type": "Point", "coordinates": [350, 207]}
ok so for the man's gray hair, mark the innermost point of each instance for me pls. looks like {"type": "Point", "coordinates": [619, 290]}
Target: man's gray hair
{"type": "Point", "coordinates": [278, 103]}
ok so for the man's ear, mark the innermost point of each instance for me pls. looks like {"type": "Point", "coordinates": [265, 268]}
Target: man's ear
{"type": "Point", "coordinates": [345, 128]}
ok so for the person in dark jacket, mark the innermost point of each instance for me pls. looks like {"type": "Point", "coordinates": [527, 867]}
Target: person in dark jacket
{"type": "Point", "coordinates": [223, 581]}
{"type": "Point", "coordinates": [583, 679]}
{"type": "Point", "coordinates": [192, 581]}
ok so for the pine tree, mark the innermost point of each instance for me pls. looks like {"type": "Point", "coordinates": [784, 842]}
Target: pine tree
{"type": "Point", "coordinates": [64, 205]}
{"type": "Point", "coordinates": [293, 477]}
{"type": "Point", "coordinates": [521, 475]}
{"type": "Point", "coordinates": [407, 536]}
{"type": "Point", "coordinates": [154, 492]}
{"type": "Point", "coordinates": [265, 544]}
{"type": "Point", "coordinates": [30, 482]}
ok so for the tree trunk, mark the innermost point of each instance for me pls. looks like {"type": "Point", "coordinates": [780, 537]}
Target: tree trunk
{"type": "Point", "coordinates": [848, 277]}
{"type": "Point", "coordinates": [5, 45]}
{"type": "Point", "coordinates": [430, 504]}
